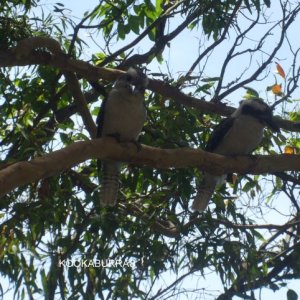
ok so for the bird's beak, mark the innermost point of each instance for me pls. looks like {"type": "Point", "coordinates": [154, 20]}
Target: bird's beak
{"type": "Point", "coordinates": [271, 123]}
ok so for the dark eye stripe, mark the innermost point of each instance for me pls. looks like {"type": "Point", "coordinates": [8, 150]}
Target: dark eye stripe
{"type": "Point", "coordinates": [250, 110]}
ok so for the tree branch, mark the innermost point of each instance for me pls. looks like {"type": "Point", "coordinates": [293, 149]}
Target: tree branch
{"type": "Point", "coordinates": [285, 24]}
{"type": "Point", "coordinates": [26, 46]}
{"type": "Point", "coordinates": [218, 41]}
{"type": "Point", "coordinates": [54, 163]}
{"type": "Point", "coordinates": [90, 72]}
{"type": "Point", "coordinates": [159, 20]}
{"type": "Point", "coordinates": [81, 103]}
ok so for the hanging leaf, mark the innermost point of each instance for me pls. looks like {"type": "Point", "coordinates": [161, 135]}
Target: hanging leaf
{"type": "Point", "coordinates": [280, 70]}
{"type": "Point", "coordinates": [277, 90]}
{"type": "Point", "coordinates": [289, 150]}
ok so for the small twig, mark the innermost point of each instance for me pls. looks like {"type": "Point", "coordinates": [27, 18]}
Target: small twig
{"type": "Point", "coordinates": [141, 36]}
{"type": "Point", "coordinates": [285, 25]}
{"type": "Point", "coordinates": [216, 43]}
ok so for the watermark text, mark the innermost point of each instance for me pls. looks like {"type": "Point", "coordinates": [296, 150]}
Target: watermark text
{"type": "Point", "coordinates": [100, 263]}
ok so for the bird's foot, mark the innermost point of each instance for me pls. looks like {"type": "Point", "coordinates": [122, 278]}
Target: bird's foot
{"type": "Point", "coordinates": [137, 144]}
{"type": "Point", "coordinates": [116, 136]}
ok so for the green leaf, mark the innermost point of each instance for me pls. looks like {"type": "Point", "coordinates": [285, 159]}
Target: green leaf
{"type": "Point", "coordinates": [121, 31]}
{"type": "Point", "coordinates": [268, 3]}
{"type": "Point", "coordinates": [158, 6]}
{"type": "Point", "coordinates": [257, 4]}
{"type": "Point", "coordinates": [210, 79]}
{"type": "Point", "coordinates": [134, 23]}
{"type": "Point", "coordinates": [250, 93]}
{"type": "Point", "coordinates": [205, 88]}
{"type": "Point", "coordinates": [248, 5]}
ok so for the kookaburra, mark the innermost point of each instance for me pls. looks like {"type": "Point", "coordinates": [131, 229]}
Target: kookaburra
{"type": "Point", "coordinates": [239, 134]}
{"type": "Point", "coordinates": [122, 116]}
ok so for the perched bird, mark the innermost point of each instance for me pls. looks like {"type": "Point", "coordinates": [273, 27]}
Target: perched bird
{"type": "Point", "coordinates": [239, 134]}
{"type": "Point", "coordinates": [122, 116]}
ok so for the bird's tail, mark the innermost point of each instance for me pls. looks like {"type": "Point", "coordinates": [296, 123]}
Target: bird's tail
{"type": "Point", "coordinates": [202, 198]}
{"type": "Point", "coordinates": [110, 183]}
{"type": "Point", "coordinates": [205, 191]}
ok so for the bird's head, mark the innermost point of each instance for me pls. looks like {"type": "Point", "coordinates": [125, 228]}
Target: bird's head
{"type": "Point", "coordinates": [124, 82]}
{"type": "Point", "coordinates": [258, 109]}
{"type": "Point", "coordinates": [132, 77]}
{"type": "Point", "coordinates": [138, 77]}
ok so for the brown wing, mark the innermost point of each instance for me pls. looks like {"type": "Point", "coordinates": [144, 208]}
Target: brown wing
{"type": "Point", "coordinates": [218, 134]}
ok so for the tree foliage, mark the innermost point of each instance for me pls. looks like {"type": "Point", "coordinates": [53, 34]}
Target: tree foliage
{"type": "Point", "coordinates": [55, 241]}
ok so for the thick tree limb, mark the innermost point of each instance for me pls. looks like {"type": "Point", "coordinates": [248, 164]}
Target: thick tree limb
{"type": "Point", "coordinates": [54, 163]}
{"type": "Point", "coordinates": [90, 72]}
